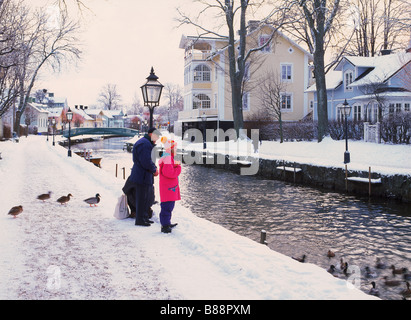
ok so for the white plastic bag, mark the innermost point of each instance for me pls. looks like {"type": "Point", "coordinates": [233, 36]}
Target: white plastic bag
{"type": "Point", "coordinates": [121, 211]}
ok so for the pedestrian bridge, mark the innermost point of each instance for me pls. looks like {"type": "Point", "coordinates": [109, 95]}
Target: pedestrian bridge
{"type": "Point", "coordinates": [123, 132]}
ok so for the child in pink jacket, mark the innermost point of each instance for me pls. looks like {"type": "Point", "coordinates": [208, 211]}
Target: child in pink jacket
{"type": "Point", "coordinates": [169, 170]}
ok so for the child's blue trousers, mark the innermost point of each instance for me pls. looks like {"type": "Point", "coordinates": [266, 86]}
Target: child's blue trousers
{"type": "Point", "coordinates": [165, 213]}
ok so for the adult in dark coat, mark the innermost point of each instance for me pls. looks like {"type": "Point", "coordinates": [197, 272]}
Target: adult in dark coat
{"type": "Point", "coordinates": [142, 175]}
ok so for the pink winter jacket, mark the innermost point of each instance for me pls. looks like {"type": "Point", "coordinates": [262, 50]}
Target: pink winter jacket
{"type": "Point", "coordinates": [169, 172]}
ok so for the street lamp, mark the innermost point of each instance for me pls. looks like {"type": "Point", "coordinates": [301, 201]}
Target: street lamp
{"type": "Point", "coordinates": [204, 119]}
{"type": "Point", "coordinates": [53, 122]}
{"type": "Point", "coordinates": [151, 93]}
{"type": "Point", "coordinates": [69, 118]}
{"type": "Point", "coordinates": [48, 126]}
{"type": "Point", "coordinates": [346, 110]}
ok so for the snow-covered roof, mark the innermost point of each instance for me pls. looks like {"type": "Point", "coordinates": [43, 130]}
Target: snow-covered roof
{"type": "Point", "coordinates": [332, 80]}
{"type": "Point", "coordinates": [38, 107]}
{"type": "Point", "coordinates": [82, 113]}
{"type": "Point", "coordinates": [381, 68]}
{"type": "Point", "coordinates": [93, 112]}
{"type": "Point", "coordinates": [188, 40]}
{"type": "Point", "coordinates": [384, 67]}
{"type": "Point", "coordinates": [112, 113]}
{"type": "Point", "coordinates": [55, 112]}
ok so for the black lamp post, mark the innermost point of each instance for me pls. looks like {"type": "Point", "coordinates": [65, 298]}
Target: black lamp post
{"type": "Point", "coordinates": [151, 93]}
{"type": "Point", "coordinates": [48, 126]}
{"type": "Point", "coordinates": [346, 110]}
{"type": "Point", "coordinates": [53, 122]}
{"type": "Point", "coordinates": [69, 118]}
{"type": "Point", "coordinates": [204, 119]}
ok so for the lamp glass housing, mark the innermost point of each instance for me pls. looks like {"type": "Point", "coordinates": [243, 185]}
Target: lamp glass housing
{"type": "Point", "coordinates": [69, 115]}
{"type": "Point", "coordinates": [346, 108]}
{"type": "Point", "coordinates": [151, 90]}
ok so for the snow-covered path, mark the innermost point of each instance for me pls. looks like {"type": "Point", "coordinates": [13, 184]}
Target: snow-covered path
{"type": "Point", "coordinates": [73, 251]}
{"type": "Point", "coordinates": [67, 252]}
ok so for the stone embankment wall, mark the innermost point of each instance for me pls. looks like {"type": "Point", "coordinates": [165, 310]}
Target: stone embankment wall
{"type": "Point", "coordinates": [386, 186]}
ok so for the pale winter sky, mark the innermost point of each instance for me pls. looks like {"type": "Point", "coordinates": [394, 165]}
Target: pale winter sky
{"type": "Point", "coordinates": [122, 40]}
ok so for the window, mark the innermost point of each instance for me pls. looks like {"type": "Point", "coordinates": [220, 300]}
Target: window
{"type": "Point", "coordinates": [286, 72]}
{"type": "Point", "coordinates": [262, 40]}
{"type": "Point", "coordinates": [201, 101]}
{"type": "Point", "coordinates": [406, 107]}
{"type": "Point", "coordinates": [286, 102]}
{"type": "Point", "coordinates": [398, 107]}
{"type": "Point", "coordinates": [202, 73]}
{"type": "Point", "coordinates": [247, 71]}
{"type": "Point", "coordinates": [357, 113]}
{"type": "Point", "coordinates": [348, 79]}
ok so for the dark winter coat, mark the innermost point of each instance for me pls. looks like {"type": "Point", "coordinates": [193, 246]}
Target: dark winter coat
{"type": "Point", "coordinates": [144, 167]}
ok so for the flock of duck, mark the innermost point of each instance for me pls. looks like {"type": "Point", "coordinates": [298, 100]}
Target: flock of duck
{"type": "Point", "coordinates": [334, 269]}
{"type": "Point", "coordinates": [342, 269]}
{"type": "Point", "coordinates": [92, 201]}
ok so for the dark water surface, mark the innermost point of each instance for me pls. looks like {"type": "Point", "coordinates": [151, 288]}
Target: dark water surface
{"type": "Point", "coordinates": [298, 220]}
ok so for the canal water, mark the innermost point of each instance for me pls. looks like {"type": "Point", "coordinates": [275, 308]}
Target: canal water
{"type": "Point", "coordinates": [299, 220]}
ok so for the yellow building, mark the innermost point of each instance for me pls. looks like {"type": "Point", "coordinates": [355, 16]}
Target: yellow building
{"type": "Point", "coordinates": [207, 89]}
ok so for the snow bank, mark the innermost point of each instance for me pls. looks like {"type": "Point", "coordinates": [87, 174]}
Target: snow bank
{"type": "Point", "coordinates": [385, 159]}
{"type": "Point", "coordinates": [99, 257]}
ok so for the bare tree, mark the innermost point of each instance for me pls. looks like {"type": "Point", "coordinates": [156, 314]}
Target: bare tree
{"type": "Point", "coordinates": [13, 19]}
{"type": "Point", "coordinates": [136, 106]}
{"type": "Point", "coordinates": [377, 25]}
{"type": "Point", "coordinates": [109, 97]}
{"type": "Point", "coordinates": [44, 46]}
{"type": "Point", "coordinates": [173, 93]}
{"type": "Point", "coordinates": [63, 5]}
{"type": "Point", "coordinates": [272, 97]}
{"type": "Point", "coordinates": [320, 17]}
{"type": "Point", "coordinates": [232, 15]}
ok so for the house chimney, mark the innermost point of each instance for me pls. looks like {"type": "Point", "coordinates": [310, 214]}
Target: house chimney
{"type": "Point", "coordinates": [252, 25]}
{"type": "Point", "coordinates": [385, 52]}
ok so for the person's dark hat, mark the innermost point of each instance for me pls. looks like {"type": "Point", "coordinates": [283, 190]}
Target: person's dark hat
{"type": "Point", "coordinates": [157, 132]}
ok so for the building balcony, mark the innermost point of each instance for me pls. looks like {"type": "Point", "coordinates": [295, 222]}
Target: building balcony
{"type": "Point", "coordinates": [196, 55]}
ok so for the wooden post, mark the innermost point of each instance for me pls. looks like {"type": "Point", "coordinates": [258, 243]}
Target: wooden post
{"type": "Point", "coordinates": [369, 181]}
{"type": "Point", "coordinates": [124, 173]}
{"type": "Point", "coordinates": [346, 179]}
{"type": "Point", "coordinates": [116, 169]}
{"type": "Point", "coordinates": [263, 237]}
{"type": "Point", "coordinates": [294, 172]}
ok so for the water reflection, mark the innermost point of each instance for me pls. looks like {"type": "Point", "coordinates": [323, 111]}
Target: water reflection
{"type": "Point", "coordinates": [298, 220]}
{"type": "Point", "coordinates": [301, 220]}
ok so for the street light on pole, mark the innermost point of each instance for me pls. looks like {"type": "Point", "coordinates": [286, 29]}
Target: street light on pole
{"type": "Point", "coordinates": [204, 119]}
{"type": "Point", "coordinates": [53, 122]}
{"type": "Point", "coordinates": [151, 93]}
{"type": "Point", "coordinates": [346, 110]}
{"type": "Point", "coordinates": [48, 126]}
{"type": "Point", "coordinates": [69, 118]}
